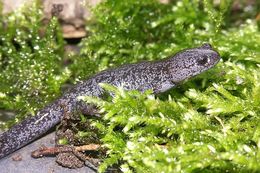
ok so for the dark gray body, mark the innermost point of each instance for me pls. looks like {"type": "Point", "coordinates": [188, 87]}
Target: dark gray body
{"type": "Point", "coordinates": [158, 76]}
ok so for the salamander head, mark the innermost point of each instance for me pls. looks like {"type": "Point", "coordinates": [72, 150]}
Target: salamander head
{"type": "Point", "coordinates": [192, 62]}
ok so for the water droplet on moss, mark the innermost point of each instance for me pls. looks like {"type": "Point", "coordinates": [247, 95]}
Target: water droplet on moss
{"type": "Point", "coordinates": [36, 47]}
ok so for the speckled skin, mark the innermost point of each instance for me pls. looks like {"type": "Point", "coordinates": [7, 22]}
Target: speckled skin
{"type": "Point", "coordinates": [158, 76]}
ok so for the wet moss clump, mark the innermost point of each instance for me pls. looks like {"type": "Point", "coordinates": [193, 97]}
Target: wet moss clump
{"type": "Point", "coordinates": [30, 61]}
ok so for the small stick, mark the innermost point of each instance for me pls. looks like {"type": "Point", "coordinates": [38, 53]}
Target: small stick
{"type": "Point", "coordinates": [87, 147]}
{"type": "Point", "coordinates": [50, 151]}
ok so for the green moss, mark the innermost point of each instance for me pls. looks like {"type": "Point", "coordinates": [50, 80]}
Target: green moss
{"type": "Point", "coordinates": [147, 30]}
{"type": "Point", "coordinates": [211, 131]}
{"type": "Point", "coordinates": [30, 61]}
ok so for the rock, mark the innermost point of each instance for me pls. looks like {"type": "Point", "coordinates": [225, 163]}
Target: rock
{"type": "Point", "coordinates": [72, 14]}
{"type": "Point", "coordinates": [22, 162]}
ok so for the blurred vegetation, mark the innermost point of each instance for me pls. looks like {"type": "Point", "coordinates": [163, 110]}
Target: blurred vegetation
{"type": "Point", "coordinates": [30, 61]}
{"type": "Point", "coordinates": [208, 124]}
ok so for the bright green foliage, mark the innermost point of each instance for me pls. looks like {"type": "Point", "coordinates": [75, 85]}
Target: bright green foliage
{"type": "Point", "coordinates": [174, 136]}
{"type": "Point", "coordinates": [30, 60]}
{"type": "Point", "coordinates": [209, 124]}
{"type": "Point", "coordinates": [131, 31]}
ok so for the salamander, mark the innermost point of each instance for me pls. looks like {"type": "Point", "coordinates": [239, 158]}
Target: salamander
{"type": "Point", "coordinates": [159, 76]}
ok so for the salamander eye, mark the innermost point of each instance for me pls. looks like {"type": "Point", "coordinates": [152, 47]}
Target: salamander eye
{"type": "Point", "coordinates": [203, 60]}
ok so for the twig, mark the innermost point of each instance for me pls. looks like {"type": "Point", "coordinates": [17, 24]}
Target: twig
{"type": "Point", "coordinates": [50, 151]}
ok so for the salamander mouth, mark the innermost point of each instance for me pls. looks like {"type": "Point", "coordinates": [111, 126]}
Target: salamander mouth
{"type": "Point", "coordinates": [216, 58]}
